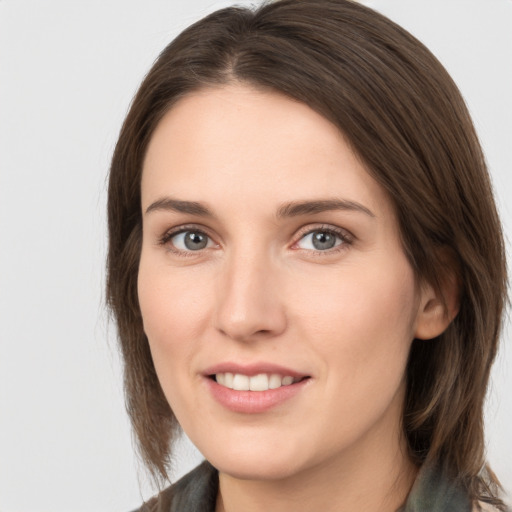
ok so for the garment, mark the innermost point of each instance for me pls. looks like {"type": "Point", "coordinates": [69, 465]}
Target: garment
{"type": "Point", "coordinates": [197, 492]}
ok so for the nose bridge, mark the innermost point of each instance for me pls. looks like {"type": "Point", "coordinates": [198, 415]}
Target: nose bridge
{"type": "Point", "coordinates": [249, 303]}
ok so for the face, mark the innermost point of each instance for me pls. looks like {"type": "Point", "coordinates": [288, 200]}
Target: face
{"type": "Point", "coordinates": [276, 297]}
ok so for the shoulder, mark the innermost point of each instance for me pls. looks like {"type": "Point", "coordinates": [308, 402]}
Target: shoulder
{"type": "Point", "coordinates": [434, 491]}
{"type": "Point", "coordinates": [195, 492]}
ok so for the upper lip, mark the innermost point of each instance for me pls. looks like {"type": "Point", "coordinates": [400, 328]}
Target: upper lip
{"type": "Point", "coordinates": [252, 369]}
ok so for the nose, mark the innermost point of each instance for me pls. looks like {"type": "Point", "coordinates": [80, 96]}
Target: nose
{"type": "Point", "coordinates": [250, 303]}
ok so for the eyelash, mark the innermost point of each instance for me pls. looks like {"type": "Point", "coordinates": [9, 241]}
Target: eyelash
{"type": "Point", "coordinates": [346, 239]}
{"type": "Point", "coordinates": [166, 238]}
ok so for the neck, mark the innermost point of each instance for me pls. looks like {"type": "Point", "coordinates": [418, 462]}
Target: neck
{"type": "Point", "coordinates": [375, 477]}
{"type": "Point", "coordinates": [330, 489]}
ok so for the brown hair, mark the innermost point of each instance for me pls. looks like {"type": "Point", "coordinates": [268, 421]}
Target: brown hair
{"type": "Point", "coordinates": [404, 116]}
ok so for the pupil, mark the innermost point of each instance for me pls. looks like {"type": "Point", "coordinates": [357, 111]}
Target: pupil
{"type": "Point", "coordinates": [323, 240]}
{"type": "Point", "coordinates": [195, 241]}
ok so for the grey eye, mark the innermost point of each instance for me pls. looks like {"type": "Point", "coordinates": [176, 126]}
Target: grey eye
{"type": "Point", "coordinates": [320, 240]}
{"type": "Point", "coordinates": [191, 241]}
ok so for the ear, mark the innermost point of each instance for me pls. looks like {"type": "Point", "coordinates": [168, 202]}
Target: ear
{"type": "Point", "coordinates": [437, 309]}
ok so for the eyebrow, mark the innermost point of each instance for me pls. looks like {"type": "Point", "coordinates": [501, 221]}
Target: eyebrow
{"type": "Point", "coordinates": [296, 208]}
{"type": "Point", "coordinates": [170, 204]}
{"type": "Point", "coordinates": [292, 209]}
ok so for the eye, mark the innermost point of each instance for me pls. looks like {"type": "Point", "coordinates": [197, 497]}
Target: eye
{"type": "Point", "coordinates": [190, 240]}
{"type": "Point", "coordinates": [321, 240]}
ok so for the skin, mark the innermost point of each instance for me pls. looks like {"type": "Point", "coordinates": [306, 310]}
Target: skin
{"type": "Point", "coordinates": [260, 291]}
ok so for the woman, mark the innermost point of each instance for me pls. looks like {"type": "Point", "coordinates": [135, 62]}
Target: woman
{"type": "Point", "coordinates": [306, 266]}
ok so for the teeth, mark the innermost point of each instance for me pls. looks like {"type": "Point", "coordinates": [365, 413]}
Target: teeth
{"type": "Point", "coordinates": [260, 382]}
{"type": "Point", "coordinates": [240, 382]}
{"type": "Point", "coordinates": [275, 381]}
{"type": "Point", "coordinates": [228, 380]}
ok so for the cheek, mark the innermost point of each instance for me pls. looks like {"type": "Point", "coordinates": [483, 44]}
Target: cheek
{"type": "Point", "coordinates": [362, 328]}
{"type": "Point", "coordinates": [174, 311]}
{"type": "Point", "coordinates": [174, 314]}
{"type": "Point", "coordinates": [361, 317]}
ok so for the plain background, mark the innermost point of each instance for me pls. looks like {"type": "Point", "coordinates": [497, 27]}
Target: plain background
{"type": "Point", "coordinates": [68, 71]}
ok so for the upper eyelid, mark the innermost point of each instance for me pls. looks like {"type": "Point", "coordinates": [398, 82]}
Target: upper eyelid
{"type": "Point", "coordinates": [307, 229]}
{"type": "Point", "coordinates": [186, 227]}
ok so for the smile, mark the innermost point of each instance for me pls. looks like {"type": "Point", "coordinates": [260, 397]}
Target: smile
{"type": "Point", "coordinates": [254, 389]}
{"type": "Point", "coordinates": [260, 382]}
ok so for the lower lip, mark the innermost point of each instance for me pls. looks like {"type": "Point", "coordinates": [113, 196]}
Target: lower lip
{"type": "Point", "coordinates": [253, 402]}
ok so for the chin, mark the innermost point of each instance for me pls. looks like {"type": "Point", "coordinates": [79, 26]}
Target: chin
{"type": "Point", "coordinates": [256, 470]}
{"type": "Point", "coordinates": [257, 460]}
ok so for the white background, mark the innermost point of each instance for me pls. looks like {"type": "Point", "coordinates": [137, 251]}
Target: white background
{"type": "Point", "coordinates": [67, 73]}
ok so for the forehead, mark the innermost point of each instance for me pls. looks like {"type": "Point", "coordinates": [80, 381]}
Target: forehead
{"type": "Point", "coordinates": [247, 143]}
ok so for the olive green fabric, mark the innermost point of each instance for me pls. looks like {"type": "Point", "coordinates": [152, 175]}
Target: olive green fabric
{"type": "Point", "coordinates": [433, 493]}
{"type": "Point", "coordinates": [197, 492]}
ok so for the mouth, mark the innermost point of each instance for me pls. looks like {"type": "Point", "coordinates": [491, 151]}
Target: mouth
{"type": "Point", "coordinates": [259, 382]}
{"type": "Point", "coordinates": [254, 388]}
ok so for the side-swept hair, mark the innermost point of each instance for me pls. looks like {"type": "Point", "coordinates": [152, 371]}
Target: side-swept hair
{"type": "Point", "coordinates": [404, 116]}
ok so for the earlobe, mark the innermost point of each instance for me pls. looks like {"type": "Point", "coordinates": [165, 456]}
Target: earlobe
{"type": "Point", "coordinates": [437, 309]}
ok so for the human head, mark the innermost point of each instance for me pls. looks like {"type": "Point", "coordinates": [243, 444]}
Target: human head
{"type": "Point", "coordinates": [404, 117]}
